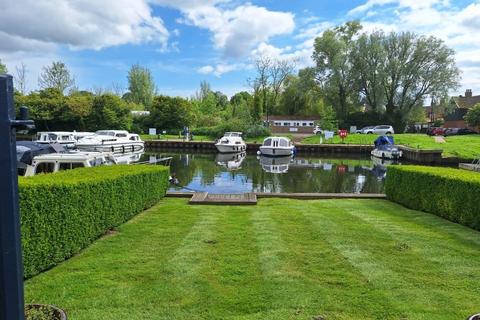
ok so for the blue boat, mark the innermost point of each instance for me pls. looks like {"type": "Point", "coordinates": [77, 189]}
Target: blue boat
{"type": "Point", "coordinates": [385, 148]}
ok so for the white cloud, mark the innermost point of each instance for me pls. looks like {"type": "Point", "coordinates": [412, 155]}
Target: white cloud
{"type": "Point", "coordinates": [30, 24]}
{"type": "Point", "coordinates": [235, 30]}
{"type": "Point", "coordinates": [220, 68]}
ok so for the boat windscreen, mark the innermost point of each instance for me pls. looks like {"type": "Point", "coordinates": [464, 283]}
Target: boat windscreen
{"type": "Point", "coordinates": [267, 142]}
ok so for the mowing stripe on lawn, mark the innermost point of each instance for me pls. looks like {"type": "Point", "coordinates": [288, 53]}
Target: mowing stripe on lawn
{"type": "Point", "coordinates": [329, 285]}
{"type": "Point", "coordinates": [396, 270]}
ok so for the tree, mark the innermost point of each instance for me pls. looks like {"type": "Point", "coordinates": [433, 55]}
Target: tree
{"type": "Point", "coordinates": [279, 71]}
{"type": "Point", "coordinates": [109, 111]}
{"type": "Point", "coordinates": [170, 113]}
{"type": "Point", "coordinates": [3, 68]}
{"type": "Point", "coordinates": [262, 65]}
{"type": "Point", "coordinates": [141, 86]}
{"type": "Point", "coordinates": [56, 76]}
{"type": "Point", "coordinates": [21, 78]}
{"type": "Point", "coordinates": [398, 71]}
{"type": "Point", "coordinates": [473, 116]}
{"type": "Point", "coordinates": [333, 57]}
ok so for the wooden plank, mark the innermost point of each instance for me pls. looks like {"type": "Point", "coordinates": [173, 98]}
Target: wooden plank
{"type": "Point", "coordinates": [223, 199]}
{"type": "Point", "coordinates": [323, 195]}
{"type": "Point", "coordinates": [198, 197]}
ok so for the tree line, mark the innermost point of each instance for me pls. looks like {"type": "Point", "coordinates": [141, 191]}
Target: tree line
{"type": "Point", "coordinates": [357, 79]}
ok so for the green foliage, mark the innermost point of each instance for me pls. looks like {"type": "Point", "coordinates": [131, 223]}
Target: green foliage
{"type": "Point", "coordinates": [141, 86]}
{"type": "Point", "coordinates": [450, 193]}
{"type": "Point", "coordinates": [3, 68]}
{"type": "Point", "coordinates": [473, 116]}
{"type": "Point", "coordinates": [56, 76]}
{"type": "Point", "coordinates": [64, 212]}
{"type": "Point", "coordinates": [40, 312]}
{"type": "Point", "coordinates": [170, 113]}
{"type": "Point", "coordinates": [109, 112]}
{"type": "Point", "coordinates": [328, 119]}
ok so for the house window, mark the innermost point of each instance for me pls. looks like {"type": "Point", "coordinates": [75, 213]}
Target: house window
{"type": "Point", "coordinates": [277, 123]}
{"type": "Point", "coordinates": [286, 124]}
{"type": "Point", "coordinates": [311, 124]}
{"type": "Point", "coordinates": [304, 124]}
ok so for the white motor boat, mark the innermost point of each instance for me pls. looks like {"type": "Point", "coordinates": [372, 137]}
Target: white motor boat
{"type": "Point", "coordinates": [231, 142]}
{"type": "Point", "coordinates": [54, 162]}
{"type": "Point", "coordinates": [277, 146]}
{"type": "Point", "coordinates": [64, 138]}
{"type": "Point", "coordinates": [116, 141]}
{"type": "Point", "coordinates": [232, 161]}
{"type": "Point", "coordinates": [386, 149]}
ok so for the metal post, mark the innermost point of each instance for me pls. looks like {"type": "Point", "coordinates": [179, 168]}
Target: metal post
{"type": "Point", "coordinates": [11, 267]}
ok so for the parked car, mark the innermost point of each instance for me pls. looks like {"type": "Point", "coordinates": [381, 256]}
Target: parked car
{"type": "Point", "coordinates": [436, 131]}
{"type": "Point", "coordinates": [317, 130]}
{"type": "Point", "coordinates": [362, 130]}
{"type": "Point", "coordinates": [458, 131]}
{"type": "Point", "coordinates": [383, 129]}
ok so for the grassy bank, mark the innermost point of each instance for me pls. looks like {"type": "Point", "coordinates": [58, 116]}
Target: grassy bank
{"type": "Point", "coordinates": [282, 259]}
{"type": "Point", "coordinates": [467, 146]}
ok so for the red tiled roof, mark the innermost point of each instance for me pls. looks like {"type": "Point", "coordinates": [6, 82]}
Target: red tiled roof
{"type": "Point", "coordinates": [466, 102]}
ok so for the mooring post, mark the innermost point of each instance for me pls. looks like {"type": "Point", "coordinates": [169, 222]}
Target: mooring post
{"type": "Point", "coordinates": [11, 267]}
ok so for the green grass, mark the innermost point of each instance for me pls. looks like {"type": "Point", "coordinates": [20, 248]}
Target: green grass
{"type": "Point", "coordinates": [281, 259]}
{"type": "Point", "coordinates": [467, 146]}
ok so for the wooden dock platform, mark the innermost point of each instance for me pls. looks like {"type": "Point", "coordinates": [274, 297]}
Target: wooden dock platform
{"type": "Point", "coordinates": [251, 198]}
{"type": "Point", "coordinates": [223, 199]}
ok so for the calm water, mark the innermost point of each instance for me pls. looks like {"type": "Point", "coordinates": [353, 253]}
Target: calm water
{"type": "Point", "coordinates": [238, 173]}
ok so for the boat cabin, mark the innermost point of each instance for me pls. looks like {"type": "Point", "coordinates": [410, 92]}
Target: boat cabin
{"type": "Point", "coordinates": [112, 133]}
{"type": "Point", "coordinates": [232, 134]}
{"type": "Point", "coordinates": [56, 137]}
{"type": "Point", "coordinates": [276, 142]}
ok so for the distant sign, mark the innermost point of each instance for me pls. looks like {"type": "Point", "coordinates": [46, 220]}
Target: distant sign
{"type": "Point", "coordinates": [152, 131]}
{"type": "Point", "coordinates": [353, 129]}
{"type": "Point", "coordinates": [152, 159]}
{"type": "Point", "coordinates": [293, 129]}
{"type": "Point", "coordinates": [329, 134]}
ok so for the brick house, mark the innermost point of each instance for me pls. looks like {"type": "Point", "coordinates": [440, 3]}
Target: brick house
{"type": "Point", "coordinates": [292, 124]}
{"type": "Point", "coordinates": [461, 105]}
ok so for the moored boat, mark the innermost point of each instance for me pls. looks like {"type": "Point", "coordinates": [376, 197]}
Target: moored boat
{"type": "Point", "coordinates": [64, 138]}
{"type": "Point", "coordinates": [277, 146]}
{"type": "Point", "coordinates": [385, 148]}
{"type": "Point", "coordinates": [116, 141]}
{"type": "Point", "coordinates": [231, 142]}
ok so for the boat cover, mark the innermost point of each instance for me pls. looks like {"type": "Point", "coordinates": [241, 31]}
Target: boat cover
{"type": "Point", "coordinates": [382, 140]}
{"type": "Point", "coordinates": [26, 150]}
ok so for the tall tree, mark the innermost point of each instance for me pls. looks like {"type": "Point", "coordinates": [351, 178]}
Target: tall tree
{"type": "Point", "coordinates": [332, 55]}
{"type": "Point", "coordinates": [141, 86]}
{"type": "Point", "coordinates": [262, 66]}
{"type": "Point", "coordinates": [56, 76]}
{"type": "Point", "coordinates": [279, 71]}
{"type": "Point", "coordinates": [473, 116]}
{"type": "Point", "coordinates": [3, 68]}
{"type": "Point", "coordinates": [21, 78]}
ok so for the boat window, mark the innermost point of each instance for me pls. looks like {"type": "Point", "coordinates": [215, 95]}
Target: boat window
{"type": "Point", "coordinates": [66, 138]}
{"type": "Point", "coordinates": [134, 138]}
{"type": "Point", "coordinates": [52, 137]}
{"type": "Point", "coordinates": [121, 135]}
{"type": "Point", "coordinates": [267, 142]}
{"type": "Point", "coordinates": [105, 133]}
{"type": "Point", "coordinates": [275, 143]}
{"type": "Point", "coordinates": [45, 167]}
{"type": "Point", "coordinates": [283, 143]}
{"type": "Point", "coordinates": [70, 165]}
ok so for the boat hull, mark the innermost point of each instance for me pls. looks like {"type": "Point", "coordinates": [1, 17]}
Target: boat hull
{"type": "Point", "coordinates": [112, 147]}
{"type": "Point", "coordinates": [385, 154]}
{"type": "Point", "coordinates": [230, 148]}
{"type": "Point", "coordinates": [276, 151]}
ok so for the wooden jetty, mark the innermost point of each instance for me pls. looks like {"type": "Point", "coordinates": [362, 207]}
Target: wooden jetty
{"type": "Point", "coordinates": [223, 199]}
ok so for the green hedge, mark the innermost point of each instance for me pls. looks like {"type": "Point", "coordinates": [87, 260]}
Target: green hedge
{"type": "Point", "coordinates": [64, 212]}
{"type": "Point", "coordinates": [450, 193]}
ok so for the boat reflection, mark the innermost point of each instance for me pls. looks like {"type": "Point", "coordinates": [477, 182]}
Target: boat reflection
{"type": "Point", "coordinates": [231, 161]}
{"type": "Point", "coordinates": [127, 158]}
{"type": "Point", "coordinates": [275, 165]}
{"type": "Point", "coordinates": [379, 168]}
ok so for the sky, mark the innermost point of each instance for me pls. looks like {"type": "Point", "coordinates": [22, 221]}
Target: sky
{"type": "Point", "coordinates": [186, 41]}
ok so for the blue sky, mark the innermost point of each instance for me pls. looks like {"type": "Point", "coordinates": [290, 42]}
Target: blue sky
{"type": "Point", "coordinates": [186, 41]}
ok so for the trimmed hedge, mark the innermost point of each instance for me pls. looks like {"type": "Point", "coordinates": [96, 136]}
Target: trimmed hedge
{"type": "Point", "coordinates": [450, 193]}
{"type": "Point", "coordinates": [64, 212]}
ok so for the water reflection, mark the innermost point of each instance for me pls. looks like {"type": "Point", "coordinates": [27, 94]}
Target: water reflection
{"type": "Point", "coordinates": [128, 158]}
{"type": "Point", "coordinates": [231, 161]}
{"type": "Point", "coordinates": [247, 173]}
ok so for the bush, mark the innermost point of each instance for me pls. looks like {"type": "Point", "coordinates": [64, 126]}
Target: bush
{"type": "Point", "coordinates": [64, 212]}
{"type": "Point", "coordinates": [450, 193]}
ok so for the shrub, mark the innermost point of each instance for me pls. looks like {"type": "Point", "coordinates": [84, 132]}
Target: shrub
{"type": "Point", "coordinates": [64, 212]}
{"type": "Point", "coordinates": [450, 193]}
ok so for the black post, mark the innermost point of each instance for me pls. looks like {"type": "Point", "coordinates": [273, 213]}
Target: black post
{"type": "Point", "coordinates": [11, 267]}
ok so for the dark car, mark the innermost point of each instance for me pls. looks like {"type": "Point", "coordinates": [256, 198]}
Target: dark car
{"type": "Point", "coordinates": [451, 131]}
{"type": "Point", "coordinates": [464, 131]}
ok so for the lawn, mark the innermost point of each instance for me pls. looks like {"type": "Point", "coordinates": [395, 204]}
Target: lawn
{"type": "Point", "coordinates": [467, 146]}
{"type": "Point", "coordinates": [281, 259]}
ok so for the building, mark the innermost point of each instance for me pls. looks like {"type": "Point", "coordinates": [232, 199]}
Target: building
{"type": "Point", "coordinates": [461, 105]}
{"type": "Point", "coordinates": [292, 124]}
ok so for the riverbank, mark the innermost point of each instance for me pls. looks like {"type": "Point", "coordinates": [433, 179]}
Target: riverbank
{"type": "Point", "coordinates": [281, 259]}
